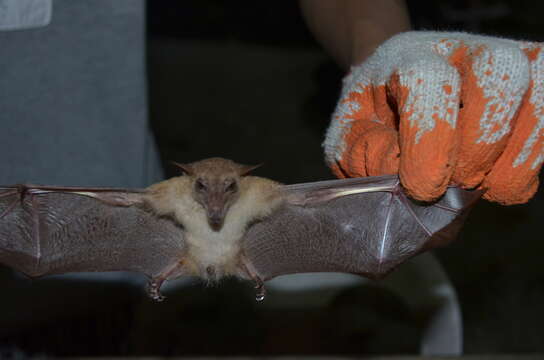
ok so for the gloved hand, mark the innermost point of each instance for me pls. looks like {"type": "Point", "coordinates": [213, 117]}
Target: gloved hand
{"type": "Point", "coordinates": [444, 108]}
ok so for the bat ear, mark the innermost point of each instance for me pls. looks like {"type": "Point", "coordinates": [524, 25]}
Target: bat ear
{"type": "Point", "coordinates": [186, 168]}
{"type": "Point", "coordinates": [246, 169]}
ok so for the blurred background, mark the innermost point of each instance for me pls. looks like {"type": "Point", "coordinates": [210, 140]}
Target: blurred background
{"type": "Point", "coordinates": [245, 80]}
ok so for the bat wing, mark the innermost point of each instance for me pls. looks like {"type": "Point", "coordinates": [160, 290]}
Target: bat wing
{"type": "Point", "coordinates": [53, 230]}
{"type": "Point", "coordinates": [364, 226]}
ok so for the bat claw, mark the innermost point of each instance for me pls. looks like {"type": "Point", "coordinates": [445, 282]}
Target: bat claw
{"type": "Point", "coordinates": [154, 292]}
{"type": "Point", "coordinates": [261, 291]}
{"type": "Point", "coordinates": [252, 274]}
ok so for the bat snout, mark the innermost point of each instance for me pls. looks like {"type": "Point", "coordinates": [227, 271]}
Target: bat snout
{"type": "Point", "coordinates": [216, 219]}
{"type": "Point", "coordinates": [216, 205]}
{"type": "Point", "coordinates": [216, 224]}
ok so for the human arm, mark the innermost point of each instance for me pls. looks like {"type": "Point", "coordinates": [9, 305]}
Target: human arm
{"type": "Point", "coordinates": [350, 30]}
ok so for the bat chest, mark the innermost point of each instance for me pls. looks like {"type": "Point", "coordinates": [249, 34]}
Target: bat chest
{"type": "Point", "coordinates": [214, 253]}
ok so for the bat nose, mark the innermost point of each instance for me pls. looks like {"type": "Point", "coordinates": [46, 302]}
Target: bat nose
{"type": "Point", "coordinates": [215, 211]}
{"type": "Point", "coordinates": [215, 220]}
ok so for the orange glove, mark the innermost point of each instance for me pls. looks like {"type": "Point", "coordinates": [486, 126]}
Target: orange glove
{"type": "Point", "coordinates": [444, 108]}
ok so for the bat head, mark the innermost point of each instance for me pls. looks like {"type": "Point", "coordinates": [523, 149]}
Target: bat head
{"type": "Point", "coordinates": [216, 186]}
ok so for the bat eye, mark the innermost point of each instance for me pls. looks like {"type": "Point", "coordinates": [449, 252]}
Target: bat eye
{"type": "Point", "coordinates": [231, 187]}
{"type": "Point", "coordinates": [200, 185]}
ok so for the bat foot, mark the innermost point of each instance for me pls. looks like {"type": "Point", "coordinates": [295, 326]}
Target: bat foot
{"type": "Point", "coordinates": [154, 292]}
{"type": "Point", "coordinates": [260, 291]}
{"type": "Point", "coordinates": [155, 283]}
{"type": "Point", "coordinates": [251, 272]}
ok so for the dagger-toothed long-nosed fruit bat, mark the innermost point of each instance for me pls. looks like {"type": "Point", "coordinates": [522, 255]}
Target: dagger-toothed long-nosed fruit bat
{"type": "Point", "coordinates": [215, 220]}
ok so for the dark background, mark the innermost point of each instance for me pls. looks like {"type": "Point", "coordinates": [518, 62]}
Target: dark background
{"type": "Point", "coordinates": [245, 80]}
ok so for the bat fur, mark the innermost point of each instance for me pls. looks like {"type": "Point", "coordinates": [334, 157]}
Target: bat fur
{"type": "Point", "coordinates": [214, 247]}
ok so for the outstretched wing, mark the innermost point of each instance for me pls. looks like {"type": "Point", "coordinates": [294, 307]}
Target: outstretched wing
{"type": "Point", "coordinates": [363, 226]}
{"type": "Point", "coordinates": [53, 230]}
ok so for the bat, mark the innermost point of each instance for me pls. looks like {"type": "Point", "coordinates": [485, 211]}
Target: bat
{"type": "Point", "coordinates": [216, 220]}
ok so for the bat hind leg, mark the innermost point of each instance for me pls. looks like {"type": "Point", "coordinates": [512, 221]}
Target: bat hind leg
{"type": "Point", "coordinates": [154, 285]}
{"type": "Point", "coordinates": [251, 272]}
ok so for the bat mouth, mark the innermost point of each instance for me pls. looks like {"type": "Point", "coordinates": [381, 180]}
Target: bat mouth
{"type": "Point", "coordinates": [215, 222]}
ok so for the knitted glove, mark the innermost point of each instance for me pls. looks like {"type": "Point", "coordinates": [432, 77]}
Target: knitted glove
{"type": "Point", "coordinates": [444, 108]}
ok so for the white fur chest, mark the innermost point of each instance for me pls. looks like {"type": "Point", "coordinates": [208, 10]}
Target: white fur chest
{"type": "Point", "coordinates": [213, 254]}
{"type": "Point", "coordinates": [213, 248]}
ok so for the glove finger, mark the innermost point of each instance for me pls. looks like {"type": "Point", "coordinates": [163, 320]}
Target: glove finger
{"type": "Point", "coordinates": [374, 153]}
{"type": "Point", "coordinates": [362, 108]}
{"type": "Point", "coordinates": [427, 94]}
{"type": "Point", "coordinates": [382, 153]}
{"type": "Point", "coordinates": [495, 78]}
{"type": "Point", "coordinates": [514, 177]}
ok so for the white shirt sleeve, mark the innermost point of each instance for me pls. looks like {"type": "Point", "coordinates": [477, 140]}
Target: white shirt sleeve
{"type": "Point", "coordinates": [24, 14]}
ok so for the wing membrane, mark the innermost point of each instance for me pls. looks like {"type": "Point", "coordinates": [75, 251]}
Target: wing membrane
{"type": "Point", "coordinates": [58, 232]}
{"type": "Point", "coordinates": [368, 230]}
